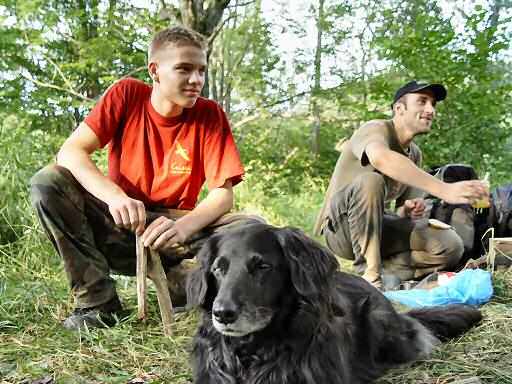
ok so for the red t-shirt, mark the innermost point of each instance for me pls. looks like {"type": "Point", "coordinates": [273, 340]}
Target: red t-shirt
{"type": "Point", "coordinates": [164, 161]}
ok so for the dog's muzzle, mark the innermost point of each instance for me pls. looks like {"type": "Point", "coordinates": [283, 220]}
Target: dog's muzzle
{"type": "Point", "coordinates": [225, 313]}
{"type": "Point", "coordinates": [232, 320]}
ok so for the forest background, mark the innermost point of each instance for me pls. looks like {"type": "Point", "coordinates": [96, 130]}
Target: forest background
{"type": "Point", "coordinates": [294, 77]}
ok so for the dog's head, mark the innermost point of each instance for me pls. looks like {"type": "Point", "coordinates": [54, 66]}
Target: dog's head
{"type": "Point", "coordinates": [248, 275]}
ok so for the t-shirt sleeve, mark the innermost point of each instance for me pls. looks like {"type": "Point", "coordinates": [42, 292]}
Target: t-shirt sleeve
{"type": "Point", "coordinates": [369, 132]}
{"type": "Point", "coordinates": [221, 158]}
{"type": "Point", "coordinates": [108, 113]}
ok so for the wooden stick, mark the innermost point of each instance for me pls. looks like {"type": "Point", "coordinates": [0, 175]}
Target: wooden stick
{"type": "Point", "coordinates": [157, 273]}
{"type": "Point", "coordinates": [142, 268]}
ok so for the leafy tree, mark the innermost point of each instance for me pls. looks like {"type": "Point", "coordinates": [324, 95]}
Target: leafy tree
{"type": "Point", "coordinates": [423, 44]}
{"type": "Point", "coordinates": [242, 58]}
{"type": "Point", "coordinates": [58, 60]}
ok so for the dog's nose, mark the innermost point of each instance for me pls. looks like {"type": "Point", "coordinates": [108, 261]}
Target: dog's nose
{"type": "Point", "coordinates": [225, 314]}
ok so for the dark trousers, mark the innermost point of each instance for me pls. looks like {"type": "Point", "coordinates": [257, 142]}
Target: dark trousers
{"type": "Point", "coordinates": [92, 247]}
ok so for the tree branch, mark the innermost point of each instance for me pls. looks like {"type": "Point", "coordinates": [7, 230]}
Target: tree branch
{"type": "Point", "coordinates": [136, 70]}
{"type": "Point", "coordinates": [286, 99]}
{"type": "Point", "coordinates": [57, 68]}
{"type": "Point", "coordinates": [242, 4]}
{"type": "Point", "coordinates": [53, 86]}
{"type": "Point", "coordinates": [217, 30]}
{"type": "Point", "coordinates": [246, 120]}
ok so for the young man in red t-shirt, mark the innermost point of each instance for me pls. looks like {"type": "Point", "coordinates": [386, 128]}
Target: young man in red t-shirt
{"type": "Point", "coordinates": [164, 141]}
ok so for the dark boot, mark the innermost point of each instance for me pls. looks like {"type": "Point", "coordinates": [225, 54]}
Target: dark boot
{"type": "Point", "coordinates": [102, 316]}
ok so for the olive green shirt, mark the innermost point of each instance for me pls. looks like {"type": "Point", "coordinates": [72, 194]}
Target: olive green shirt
{"type": "Point", "coordinates": [353, 162]}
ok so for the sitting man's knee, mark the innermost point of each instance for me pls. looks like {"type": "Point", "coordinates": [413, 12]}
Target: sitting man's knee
{"type": "Point", "coordinates": [453, 249]}
{"type": "Point", "coordinates": [50, 175]}
{"type": "Point", "coordinates": [47, 181]}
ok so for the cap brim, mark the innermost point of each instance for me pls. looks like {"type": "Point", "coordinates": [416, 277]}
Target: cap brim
{"type": "Point", "coordinates": [438, 90]}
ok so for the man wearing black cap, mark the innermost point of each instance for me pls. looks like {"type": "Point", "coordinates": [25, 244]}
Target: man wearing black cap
{"type": "Point", "coordinates": [381, 163]}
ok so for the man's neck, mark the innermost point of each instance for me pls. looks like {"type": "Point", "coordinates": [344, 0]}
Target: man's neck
{"type": "Point", "coordinates": [402, 133]}
{"type": "Point", "coordinates": [164, 107]}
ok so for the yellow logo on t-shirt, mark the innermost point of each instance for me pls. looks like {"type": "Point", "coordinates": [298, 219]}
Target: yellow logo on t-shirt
{"type": "Point", "coordinates": [182, 152]}
{"type": "Point", "coordinates": [178, 167]}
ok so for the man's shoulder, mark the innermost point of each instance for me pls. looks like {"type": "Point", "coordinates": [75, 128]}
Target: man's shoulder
{"type": "Point", "coordinates": [375, 124]}
{"type": "Point", "coordinates": [371, 128]}
{"type": "Point", "coordinates": [207, 112]}
{"type": "Point", "coordinates": [130, 84]}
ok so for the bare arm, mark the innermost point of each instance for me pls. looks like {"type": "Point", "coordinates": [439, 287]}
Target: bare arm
{"type": "Point", "coordinates": [403, 170]}
{"type": "Point", "coordinates": [164, 232]}
{"type": "Point", "coordinates": [75, 156]}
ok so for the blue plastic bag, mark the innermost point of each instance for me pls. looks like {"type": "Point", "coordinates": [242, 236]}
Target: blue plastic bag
{"type": "Point", "coordinates": [471, 286]}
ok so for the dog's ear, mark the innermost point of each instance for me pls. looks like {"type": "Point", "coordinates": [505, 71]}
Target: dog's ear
{"type": "Point", "coordinates": [311, 265]}
{"type": "Point", "coordinates": [199, 282]}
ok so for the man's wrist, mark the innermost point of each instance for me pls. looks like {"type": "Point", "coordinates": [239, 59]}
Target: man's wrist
{"type": "Point", "coordinates": [186, 227]}
{"type": "Point", "coordinates": [114, 196]}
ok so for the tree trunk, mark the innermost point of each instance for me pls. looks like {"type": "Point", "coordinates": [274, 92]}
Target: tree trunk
{"type": "Point", "coordinates": [213, 76]}
{"type": "Point", "coordinates": [315, 131]}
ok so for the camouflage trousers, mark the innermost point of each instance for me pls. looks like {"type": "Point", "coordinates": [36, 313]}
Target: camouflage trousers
{"type": "Point", "coordinates": [92, 247]}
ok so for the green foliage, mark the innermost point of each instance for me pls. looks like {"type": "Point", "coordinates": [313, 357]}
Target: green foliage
{"type": "Point", "coordinates": [58, 57]}
{"type": "Point", "coordinates": [243, 60]}
{"type": "Point", "coordinates": [24, 151]}
{"type": "Point", "coordinates": [423, 44]}
{"type": "Point", "coordinates": [274, 149]}
{"type": "Point", "coordinates": [68, 53]}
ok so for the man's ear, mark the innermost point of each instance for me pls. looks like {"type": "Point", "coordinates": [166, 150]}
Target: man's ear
{"type": "Point", "coordinates": [153, 70]}
{"type": "Point", "coordinates": [398, 107]}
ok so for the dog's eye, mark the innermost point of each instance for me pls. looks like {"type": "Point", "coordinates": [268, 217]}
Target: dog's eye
{"type": "Point", "coordinates": [256, 264]}
{"type": "Point", "coordinates": [264, 266]}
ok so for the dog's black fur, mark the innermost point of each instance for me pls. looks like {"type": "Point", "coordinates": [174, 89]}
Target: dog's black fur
{"type": "Point", "coordinates": [277, 310]}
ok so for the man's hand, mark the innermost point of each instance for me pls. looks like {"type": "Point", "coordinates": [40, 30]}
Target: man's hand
{"type": "Point", "coordinates": [414, 208]}
{"type": "Point", "coordinates": [465, 192]}
{"type": "Point", "coordinates": [128, 213]}
{"type": "Point", "coordinates": [163, 233]}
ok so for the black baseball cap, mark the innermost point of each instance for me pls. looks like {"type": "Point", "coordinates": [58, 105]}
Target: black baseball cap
{"type": "Point", "coordinates": [414, 86]}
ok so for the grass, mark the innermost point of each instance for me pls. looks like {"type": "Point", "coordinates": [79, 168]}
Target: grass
{"type": "Point", "coordinates": [34, 299]}
{"type": "Point", "coordinates": [484, 352]}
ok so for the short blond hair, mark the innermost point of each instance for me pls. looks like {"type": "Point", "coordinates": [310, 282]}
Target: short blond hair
{"type": "Point", "coordinates": [179, 36]}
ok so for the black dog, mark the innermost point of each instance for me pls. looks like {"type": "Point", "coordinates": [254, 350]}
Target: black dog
{"type": "Point", "coordinates": [277, 311]}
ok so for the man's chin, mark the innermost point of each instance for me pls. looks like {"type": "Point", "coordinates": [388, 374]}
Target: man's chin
{"type": "Point", "coordinates": [189, 102]}
{"type": "Point", "coordinates": [425, 127]}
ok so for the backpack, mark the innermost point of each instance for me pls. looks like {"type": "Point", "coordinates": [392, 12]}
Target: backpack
{"type": "Point", "coordinates": [502, 200]}
{"type": "Point", "coordinates": [449, 173]}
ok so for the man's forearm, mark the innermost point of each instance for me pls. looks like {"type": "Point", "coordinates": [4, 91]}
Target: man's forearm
{"type": "Point", "coordinates": [218, 202]}
{"type": "Point", "coordinates": [87, 174]}
{"type": "Point", "coordinates": [403, 170]}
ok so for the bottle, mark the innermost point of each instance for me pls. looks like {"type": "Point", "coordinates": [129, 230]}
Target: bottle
{"type": "Point", "coordinates": [483, 203]}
